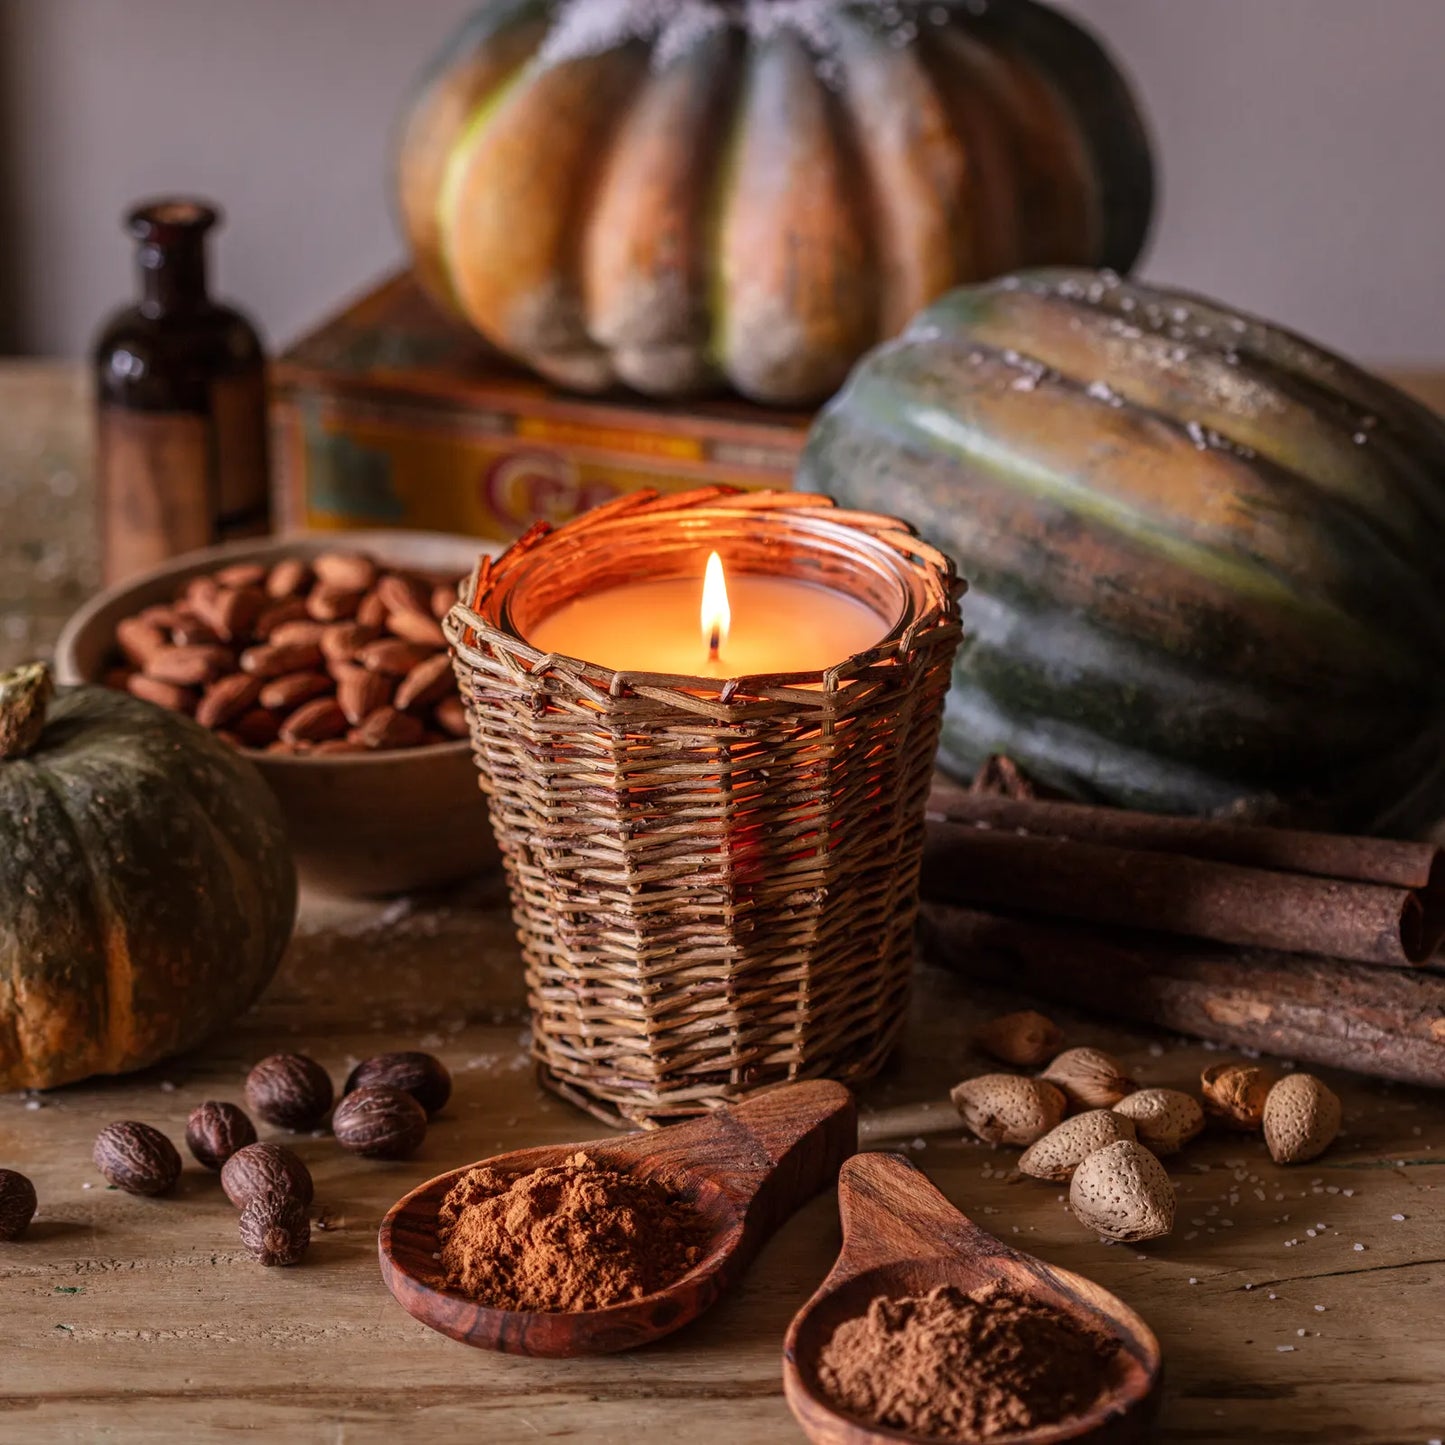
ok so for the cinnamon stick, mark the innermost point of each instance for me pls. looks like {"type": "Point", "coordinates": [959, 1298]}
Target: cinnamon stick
{"type": "Point", "coordinates": [1389, 1023]}
{"type": "Point", "coordinates": [1282, 850]}
{"type": "Point", "coordinates": [1366, 899]}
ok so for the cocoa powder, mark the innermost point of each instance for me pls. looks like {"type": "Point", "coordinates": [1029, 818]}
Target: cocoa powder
{"type": "Point", "coordinates": [951, 1365]}
{"type": "Point", "coordinates": [577, 1236]}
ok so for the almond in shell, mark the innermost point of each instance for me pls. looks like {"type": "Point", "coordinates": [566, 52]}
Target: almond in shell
{"type": "Point", "coordinates": [1089, 1078]}
{"type": "Point", "coordinates": [1025, 1039]}
{"type": "Point", "coordinates": [1165, 1120]}
{"type": "Point", "coordinates": [1067, 1145]}
{"type": "Point", "coordinates": [1008, 1108]}
{"type": "Point", "coordinates": [1301, 1118]}
{"type": "Point", "coordinates": [1234, 1094]}
{"type": "Point", "coordinates": [1123, 1192]}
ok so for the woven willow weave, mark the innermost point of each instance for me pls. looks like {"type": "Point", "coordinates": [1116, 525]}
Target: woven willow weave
{"type": "Point", "coordinates": [714, 883]}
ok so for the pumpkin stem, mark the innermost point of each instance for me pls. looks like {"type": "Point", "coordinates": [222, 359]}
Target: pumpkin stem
{"type": "Point", "coordinates": [25, 693]}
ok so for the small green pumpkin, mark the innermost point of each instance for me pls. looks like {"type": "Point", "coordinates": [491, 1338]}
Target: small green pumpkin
{"type": "Point", "coordinates": [146, 885]}
{"type": "Point", "coordinates": [1206, 558]}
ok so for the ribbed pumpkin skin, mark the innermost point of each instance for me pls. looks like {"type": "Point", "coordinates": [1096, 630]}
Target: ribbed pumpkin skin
{"type": "Point", "coordinates": [1206, 559]}
{"type": "Point", "coordinates": [679, 218]}
{"type": "Point", "coordinates": [146, 890]}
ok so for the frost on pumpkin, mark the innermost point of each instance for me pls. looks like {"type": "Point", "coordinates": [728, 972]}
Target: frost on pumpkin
{"type": "Point", "coordinates": [675, 27]}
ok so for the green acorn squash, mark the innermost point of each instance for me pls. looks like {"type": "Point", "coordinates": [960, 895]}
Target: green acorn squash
{"type": "Point", "coordinates": [146, 885]}
{"type": "Point", "coordinates": [680, 197]}
{"type": "Point", "coordinates": [1206, 558]}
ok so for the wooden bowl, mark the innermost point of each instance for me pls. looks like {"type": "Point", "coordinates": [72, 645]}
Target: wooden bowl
{"type": "Point", "coordinates": [362, 825]}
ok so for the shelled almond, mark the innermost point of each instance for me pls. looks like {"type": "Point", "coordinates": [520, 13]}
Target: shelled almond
{"type": "Point", "coordinates": [330, 654]}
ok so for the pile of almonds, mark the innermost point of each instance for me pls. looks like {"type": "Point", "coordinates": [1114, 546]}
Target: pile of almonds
{"type": "Point", "coordinates": [335, 654]}
{"type": "Point", "coordinates": [1084, 1122]}
{"type": "Point", "coordinates": [383, 1114]}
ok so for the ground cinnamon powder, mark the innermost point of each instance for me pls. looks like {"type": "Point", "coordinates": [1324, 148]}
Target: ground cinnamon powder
{"type": "Point", "coordinates": [949, 1365]}
{"type": "Point", "coordinates": [577, 1236]}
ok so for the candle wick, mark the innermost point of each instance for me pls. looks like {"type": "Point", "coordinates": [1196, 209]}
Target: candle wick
{"type": "Point", "coordinates": [714, 643]}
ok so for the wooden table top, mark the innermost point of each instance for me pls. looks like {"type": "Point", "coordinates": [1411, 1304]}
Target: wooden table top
{"type": "Point", "coordinates": [135, 1320]}
{"type": "Point", "coordinates": [132, 1320]}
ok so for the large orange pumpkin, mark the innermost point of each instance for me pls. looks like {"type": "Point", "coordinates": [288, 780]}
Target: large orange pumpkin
{"type": "Point", "coordinates": [681, 194]}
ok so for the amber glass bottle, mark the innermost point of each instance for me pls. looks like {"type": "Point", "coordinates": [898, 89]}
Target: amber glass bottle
{"type": "Point", "coordinates": [181, 392]}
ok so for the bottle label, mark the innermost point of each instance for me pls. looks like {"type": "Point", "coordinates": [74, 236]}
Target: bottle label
{"type": "Point", "coordinates": [154, 478]}
{"type": "Point", "coordinates": [243, 494]}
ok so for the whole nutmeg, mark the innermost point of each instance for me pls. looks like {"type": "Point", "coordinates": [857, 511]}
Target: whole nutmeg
{"type": "Point", "coordinates": [1089, 1078]}
{"type": "Point", "coordinates": [1122, 1192]}
{"type": "Point", "coordinates": [1008, 1108]}
{"type": "Point", "coordinates": [423, 1077]}
{"type": "Point", "coordinates": [216, 1130]}
{"type": "Point", "coordinates": [290, 1090]}
{"type": "Point", "coordinates": [275, 1231]}
{"type": "Point", "coordinates": [1234, 1094]}
{"type": "Point", "coordinates": [136, 1158]}
{"type": "Point", "coordinates": [1301, 1118]}
{"type": "Point", "coordinates": [1165, 1120]}
{"type": "Point", "coordinates": [266, 1171]}
{"type": "Point", "coordinates": [1064, 1148]}
{"type": "Point", "coordinates": [379, 1123]}
{"type": "Point", "coordinates": [17, 1204]}
{"type": "Point", "coordinates": [1026, 1039]}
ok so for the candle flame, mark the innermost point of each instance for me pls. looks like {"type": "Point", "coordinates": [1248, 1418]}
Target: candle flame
{"type": "Point", "coordinates": [716, 613]}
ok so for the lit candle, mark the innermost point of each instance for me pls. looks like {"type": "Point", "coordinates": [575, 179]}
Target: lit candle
{"type": "Point", "coordinates": [750, 624]}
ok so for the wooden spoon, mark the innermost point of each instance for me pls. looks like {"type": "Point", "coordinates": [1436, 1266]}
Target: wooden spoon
{"type": "Point", "coordinates": [902, 1237]}
{"type": "Point", "coordinates": [744, 1169]}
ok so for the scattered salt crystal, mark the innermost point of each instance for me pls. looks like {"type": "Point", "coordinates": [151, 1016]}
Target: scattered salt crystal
{"type": "Point", "coordinates": [1193, 1234]}
{"type": "Point", "coordinates": [1249, 1286]}
{"type": "Point", "coordinates": [1273, 1295]}
{"type": "Point", "coordinates": [1285, 1349]}
{"type": "Point", "coordinates": [1359, 1248]}
{"type": "Point", "coordinates": [1398, 1218]}
{"type": "Point", "coordinates": [1301, 1333]}
{"type": "Point", "coordinates": [87, 1185]}
{"type": "Point", "coordinates": [1348, 1193]}
{"type": "Point", "coordinates": [1310, 1232]}
{"type": "Point", "coordinates": [1319, 1309]}
{"type": "Point", "coordinates": [167, 1087]}
{"type": "Point", "coordinates": [1193, 1279]}
{"type": "Point", "coordinates": [33, 1104]}
{"type": "Point", "coordinates": [1156, 1051]}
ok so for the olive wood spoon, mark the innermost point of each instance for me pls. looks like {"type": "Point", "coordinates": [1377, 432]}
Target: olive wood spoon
{"type": "Point", "coordinates": [745, 1169]}
{"type": "Point", "coordinates": [902, 1237]}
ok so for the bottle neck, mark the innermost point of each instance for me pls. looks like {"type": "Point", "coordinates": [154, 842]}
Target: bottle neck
{"type": "Point", "coordinates": [173, 276]}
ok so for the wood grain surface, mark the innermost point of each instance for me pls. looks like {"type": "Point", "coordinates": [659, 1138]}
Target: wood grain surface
{"type": "Point", "coordinates": [134, 1320]}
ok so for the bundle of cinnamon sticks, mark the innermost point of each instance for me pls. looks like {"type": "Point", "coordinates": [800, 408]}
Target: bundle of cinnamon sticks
{"type": "Point", "coordinates": [1311, 945]}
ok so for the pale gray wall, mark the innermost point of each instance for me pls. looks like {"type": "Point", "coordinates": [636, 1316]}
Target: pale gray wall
{"type": "Point", "coordinates": [1301, 142]}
